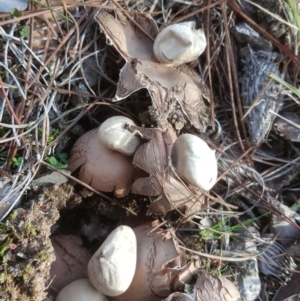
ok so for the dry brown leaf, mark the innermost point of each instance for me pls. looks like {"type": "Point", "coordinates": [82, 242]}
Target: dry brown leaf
{"type": "Point", "coordinates": [215, 288]}
{"type": "Point", "coordinates": [172, 276]}
{"type": "Point", "coordinates": [154, 158]}
{"type": "Point", "coordinates": [209, 288]}
{"type": "Point", "coordinates": [177, 93]}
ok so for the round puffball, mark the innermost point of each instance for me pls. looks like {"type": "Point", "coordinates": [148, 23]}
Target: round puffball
{"type": "Point", "coordinates": [113, 135]}
{"type": "Point", "coordinates": [100, 167]}
{"type": "Point", "coordinates": [194, 161]}
{"type": "Point", "coordinates": [179, 44]}
{"type": "Point", "coordinates": [71, 261]}
{"type": "Point", "coordinates": [80, 290]}
{"type": "Point", "coordinates": [112, 267]}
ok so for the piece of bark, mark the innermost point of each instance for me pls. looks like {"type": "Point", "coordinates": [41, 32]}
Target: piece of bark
{"type": "Point", "coordinates": [267, 18]}
{"type": "Point", "coordinates": [285, 233]}
{"type": "Point", "coordinates": [253, 86]}
{"type": "Point", "coordinates": [286, 129]}
{"type": "Point", "coordinates": [249, 283]}
{"type": "Point", "coordinates": [246, 35]}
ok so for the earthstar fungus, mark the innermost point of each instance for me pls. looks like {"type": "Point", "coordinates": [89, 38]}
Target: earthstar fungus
{"type": "Point", "coordinates": [80, 290]}
{"type": "Point", "coordinates": [154, 158]}
{"type": "Point", "coordinates": [194, 161]}
{"type": "Point", "coordinates": [161, 266]}
{"type": "Point", "coordinates": [178, 44]}
{"type": "Point", "coordinates": [70, 263]}
{"type": "Point", "coordinates": [112, 267]}
{"type": "Point", "coordinates": [102, 168]}
{"type": "Point", "coordinates": [113, 134]}
{"type": "Point", "coordinates": [177, 93]}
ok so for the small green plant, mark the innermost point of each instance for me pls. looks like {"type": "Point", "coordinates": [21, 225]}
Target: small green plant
{"type": "Point", "coordinates": [17, 161]}
{"type": "Point", "coordinates": [2, 278]}
{"type": "Point", "coordinates": [63, 157]}
{"type": "Point", "coordinates": [16, 13]}
{"type": "Point", "coordinates": [38, 3]}
{"type": "Point", "coordinates": [220, 229]}
{"type": "Point", "coordinates": [30, 229]}
{"type": "Point", "coordinates": [295, 18]}
{"type": "Point", "coordinates": [40, 133]}
{"type": "Point", "coordinates": [2, 132]}
{"type": "Point", "coordinates": [218, 270]}
{"type": "Point", "coordinates": [61, 163]}
{"type": "Point", "coordinates": [128, 211]}
{"type": "Point", "coordinates": [295, 207]}
{"type": "Point", "coordinates": [152, 198]}
{"type": "Point", "coordinates": [5, 246]}
{"type": "Point", "coordinates": [26, 272]}
{"type": "Point", "coordinates": [284, 83]}
{"type": "Point", "coordinates": [25, 32]}
{"type": "Point", "coordinates": [53, 135]}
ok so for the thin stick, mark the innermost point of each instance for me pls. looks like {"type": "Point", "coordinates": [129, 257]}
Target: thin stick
{"type": "Point", "coordinates": [233, 163]}
{"type": "Point", "coordinates": [229, 70]}
{"type": "Point", "coordinates": [257, 98]}
{"type": "Point", "coordinates": [89, 187]}
{"type": "Point", "coordinates": [65, 39]}
{"type": "Point", "coordinates": [8, 103]}
{"type": "Point", "coordinates": [208, 57]}
{"type": "Point", "coordinates": [200, 10]}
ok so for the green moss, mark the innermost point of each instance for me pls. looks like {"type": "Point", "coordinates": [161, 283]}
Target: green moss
{"type": "Point", "coordinates": [4, 247]}
{"type": "Point", "coordinates": [13, 215]}
{"type": "Point", "coordinates": [30, 229]}
{"type": "Point", "coordinates": [26, 273]}
{"type": "Point", "coordinates": [43, 254]}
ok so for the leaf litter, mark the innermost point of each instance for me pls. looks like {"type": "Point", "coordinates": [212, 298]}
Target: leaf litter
{"type": "Point", "coordinates": [179, 97]}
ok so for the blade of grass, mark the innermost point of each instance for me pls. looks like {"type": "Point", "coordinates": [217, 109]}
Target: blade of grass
{"type": "Point", "coordinates": [284, 83]}
{"type": "Point", "coordinates": [294, 8]}
{"type": "Point", "coordinates": [36, 2]}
